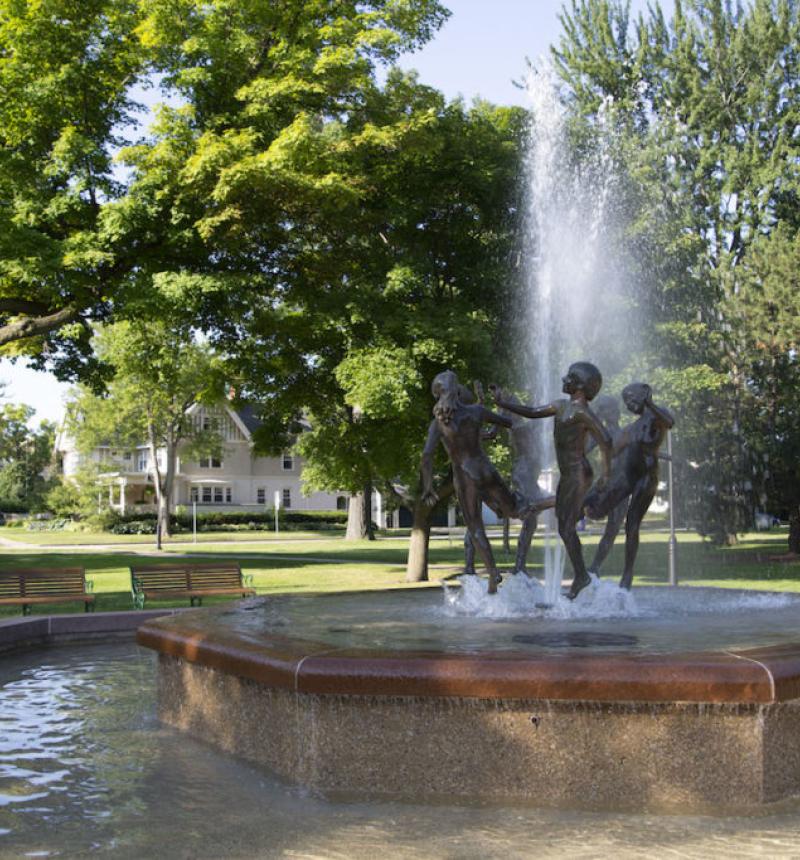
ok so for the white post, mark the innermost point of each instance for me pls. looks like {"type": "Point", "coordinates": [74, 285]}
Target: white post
{"type": "Point", "coordinates": [673, 543]}
{"type": "Point", "coordinates": [379, 510]}
{"type": "Point", "coordinates": [277, 507]}
{"type": "Point", "coordinates": [123, 484]}
{"type": "Point", "coordinates": [194, 521]}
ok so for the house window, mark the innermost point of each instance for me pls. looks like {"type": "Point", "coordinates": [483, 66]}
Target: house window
{"type": "Point", "coordinates": [218, 494]}
{"type": "Point", "coordinates": [206, 494]}
{"type": "Point", "coordinates": [194, 494]}
{"type": "Point", "coordinates": [288, 461]}
{"type": "Point", "coordinates": [261, 495]}
{"type": "Point", "coordinates": [141, 461]}
{"type": "Point", "coordinates": [341, 503]}
{"type": "Point", "coordinates": [228, 495]}
{"type": "Point", "coordinates": [287, 497]}
{"type": "Point", "coordinates": [210, 463]}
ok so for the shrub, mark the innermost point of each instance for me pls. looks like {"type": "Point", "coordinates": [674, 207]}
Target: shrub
{"type": "Point", "coordinates": [54, 525]}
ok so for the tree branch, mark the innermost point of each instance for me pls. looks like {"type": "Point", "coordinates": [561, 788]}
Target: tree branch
{"type": "Point", "coordinates": [32, 326]}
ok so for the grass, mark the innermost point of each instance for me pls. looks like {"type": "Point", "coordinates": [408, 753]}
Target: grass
{"type": "Point", "coordinates": [333, 564]}
{"type": "Point", "coordinates": [70, 538]}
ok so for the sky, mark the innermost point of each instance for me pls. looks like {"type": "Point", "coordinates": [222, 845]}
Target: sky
{"type": "Point", "coordinates": [480, 51]}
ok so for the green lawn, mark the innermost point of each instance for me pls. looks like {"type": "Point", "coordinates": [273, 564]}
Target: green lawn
{"type": "Point", "coordinates": [70, 538]}
{"type": "Point", "coordinates": [333, 564]}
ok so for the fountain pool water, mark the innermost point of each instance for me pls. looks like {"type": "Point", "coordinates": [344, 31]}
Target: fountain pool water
{"type": "Point", "coordinates": [663, 697]}
{"type": "Point", "coordinates": [87, 769]}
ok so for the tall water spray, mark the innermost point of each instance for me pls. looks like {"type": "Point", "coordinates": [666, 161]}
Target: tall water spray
{"type": "Point", "coordinates": [574, 295]}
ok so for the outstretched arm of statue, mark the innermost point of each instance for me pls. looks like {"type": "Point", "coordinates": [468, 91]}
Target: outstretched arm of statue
{"type": "Point", "coordinates": [426, 465]}
{"type": "Point", "coordinates": [544, 411]}
{"type": "Point", "coordinates": [663, 416]}
{"type": "Point", "coordinates": [489, 417]}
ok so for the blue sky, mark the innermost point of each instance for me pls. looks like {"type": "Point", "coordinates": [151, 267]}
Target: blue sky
{"type": "Point", "coordinates": [480, 51]}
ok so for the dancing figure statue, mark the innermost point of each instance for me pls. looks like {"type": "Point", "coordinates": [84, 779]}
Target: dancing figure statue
{"type": "Point", "coordinates": [574, 422]}
{"type": "Point", "coordinates": [525, 470]}
{"type": "Point", "coordinates": [457, 425]}
{"type": "Point", "coordinates": [637, 450]}
{"type": "Point", "coordinates": [607, 410]}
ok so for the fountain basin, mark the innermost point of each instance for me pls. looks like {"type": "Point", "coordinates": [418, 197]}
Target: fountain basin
{"type": "Point", "coordinates": [402, 698]}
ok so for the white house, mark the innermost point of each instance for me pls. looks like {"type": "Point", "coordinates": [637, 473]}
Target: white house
{"type": "Point", "coordinates": [237, 481]}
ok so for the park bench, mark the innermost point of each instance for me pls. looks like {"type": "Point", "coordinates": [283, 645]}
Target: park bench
{"type": "Point", "coordinates": [26, 586]}
{"type": "Point", "coordinates": [195, 581]}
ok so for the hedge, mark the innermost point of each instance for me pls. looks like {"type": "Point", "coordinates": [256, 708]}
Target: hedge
{"type": "Point", "coordinates": [145, 523]}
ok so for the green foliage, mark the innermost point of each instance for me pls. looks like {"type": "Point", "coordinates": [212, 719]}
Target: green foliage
{"type": "Point", "coordinates": [65, 76]}
{"type": "Point", "coordinates": [80, 497]}
{"type": "Point", "coordinates": [25, 456]}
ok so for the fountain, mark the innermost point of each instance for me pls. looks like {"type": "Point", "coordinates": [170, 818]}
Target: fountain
{"type": "Point", "coordinates": [648, 698]}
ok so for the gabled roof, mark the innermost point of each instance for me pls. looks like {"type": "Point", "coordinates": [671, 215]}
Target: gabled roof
{"type": "Point", "coordinates": [248, 418]}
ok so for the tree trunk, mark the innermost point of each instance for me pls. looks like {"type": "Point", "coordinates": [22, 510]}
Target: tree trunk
{"type": "Point", "coordinates": [170, 452]}
{"type": "Point", "coordinates": [794, 531]}
{"type": "Point", "coordinates": [368, 511]}
{"type": "Point", "coordinates": [356, 523]}
{"type": "Point", "coordinates": [156, 473]}
{"type": "Point", "coordinates": [417, 564]}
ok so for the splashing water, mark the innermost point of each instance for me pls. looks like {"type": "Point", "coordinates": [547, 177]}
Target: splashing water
{"type": "Point", "coordinates": [521, 596]}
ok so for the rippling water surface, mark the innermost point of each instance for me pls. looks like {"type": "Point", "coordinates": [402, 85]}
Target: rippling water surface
{"type": "Point", "coordinates": [86, 769]}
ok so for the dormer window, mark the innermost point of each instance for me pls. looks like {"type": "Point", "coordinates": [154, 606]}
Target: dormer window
{"type": "Point", "coordinates": [288, 461]}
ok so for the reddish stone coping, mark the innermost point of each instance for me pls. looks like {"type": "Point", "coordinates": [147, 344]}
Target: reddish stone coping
{"type": "Point", "coordinates": [753, 676]}
{"type": "Point", "coordinates": [19, 630]}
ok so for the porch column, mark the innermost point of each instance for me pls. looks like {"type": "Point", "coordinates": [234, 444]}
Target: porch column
{"type": "Point", "coordinates": [123, 483]}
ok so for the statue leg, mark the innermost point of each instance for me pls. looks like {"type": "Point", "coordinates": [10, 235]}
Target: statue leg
{"type": "Point", "coordinates": [469, 554]}
{"type": "Point", "coordinates": [524, 543]}
{"type": "Point", "coordinates": [471, 501]}
{"type": "Point", "coordinates": [613, 525]}
{"type": "Point", "coordinates": [641, 498]}
{"type": "Point", "coordinates": [569, 504]}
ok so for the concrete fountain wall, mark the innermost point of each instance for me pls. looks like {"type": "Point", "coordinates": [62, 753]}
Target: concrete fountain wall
{"type": "Point", "coordinates": [703, 729]}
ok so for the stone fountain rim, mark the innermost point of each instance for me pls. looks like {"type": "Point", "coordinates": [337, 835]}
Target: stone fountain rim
{"type": "Point", "coordinates": [753, 676]}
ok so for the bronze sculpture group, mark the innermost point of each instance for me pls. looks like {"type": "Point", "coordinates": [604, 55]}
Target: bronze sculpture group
{"type": "Point", "coordinates": [629, 456]}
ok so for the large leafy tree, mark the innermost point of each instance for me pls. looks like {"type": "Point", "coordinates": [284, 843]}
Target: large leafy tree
{"type": "Point", "coordinates": [310, 214]}
{"type": "Point", "coordinates": [25, 455]}
{"type": "Point", "coordinates": [421, 265]}
{"type": "Point", "coordinates": [706, 108]}
{"type": "Point", "coordinates": [160, 372]}
{"type": "Point", "coordinates": [765, 312]}
{"type": "Point", "coordinates": [66, 69]}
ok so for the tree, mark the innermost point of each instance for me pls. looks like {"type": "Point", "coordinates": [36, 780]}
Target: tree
{"type": "Point", "coordinates": [765, 310]}
{"type": "Point", "coordinates": [417, 283]}
{"type": "Point", "coordinates": [65, 77]}
{"type": "Point", "coordinates": [706, 109]}
{"type": "Point", "coordinates": [159, 373]}
{"type": "Point", "coordinates": [309, 213]}
{"type": "Point", "coordinates": [25, 455]}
